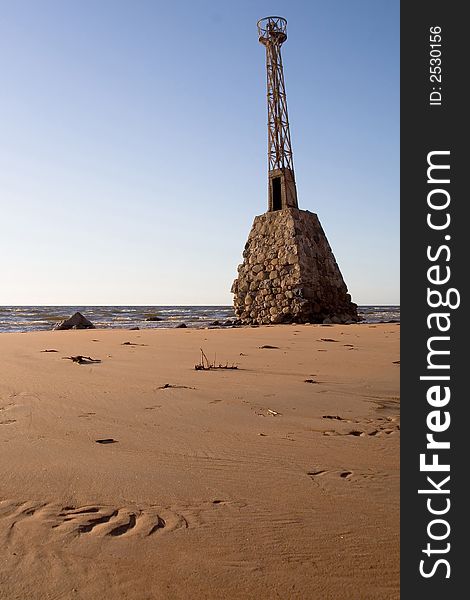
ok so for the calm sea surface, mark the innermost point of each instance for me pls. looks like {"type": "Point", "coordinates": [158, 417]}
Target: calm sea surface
{"type": "Point", "coordinates": [36, 318]}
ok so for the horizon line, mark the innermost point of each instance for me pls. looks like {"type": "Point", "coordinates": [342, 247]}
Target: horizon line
{"type": "Point", "coordinates": [161, 305]}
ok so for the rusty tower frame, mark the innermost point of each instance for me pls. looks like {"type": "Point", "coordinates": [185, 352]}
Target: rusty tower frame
{"type": "Point", "coordinates": [282, 191]}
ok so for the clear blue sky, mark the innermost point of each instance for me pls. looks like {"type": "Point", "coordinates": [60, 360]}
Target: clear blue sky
{"type": "Point", "coordinates": [133, 144]}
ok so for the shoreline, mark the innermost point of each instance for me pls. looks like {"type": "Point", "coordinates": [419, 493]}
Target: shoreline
{"type": "Point", "coordinates": [208, 326]}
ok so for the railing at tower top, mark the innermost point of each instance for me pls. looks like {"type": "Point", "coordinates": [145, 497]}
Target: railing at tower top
{"type": "Point", "coordinates": [272, 29]}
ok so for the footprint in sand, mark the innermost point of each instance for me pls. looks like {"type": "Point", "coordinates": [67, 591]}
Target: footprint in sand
{"type": "Point", "coordinates": [338, 481]}
{"type": "Point", "coordinates": [20, 406]}
{"type": "Point", "coordinates": [367, 427]}
{"type": "Point", "coordinates": [333, 481]}
{"type": "Point", "coordinates": [341, 474]}
{"type": "Point", "coordinates": [359, 433]}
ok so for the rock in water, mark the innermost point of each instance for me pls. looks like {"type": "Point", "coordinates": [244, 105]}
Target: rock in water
{"type": "Point", "coordinates": [76, 321]}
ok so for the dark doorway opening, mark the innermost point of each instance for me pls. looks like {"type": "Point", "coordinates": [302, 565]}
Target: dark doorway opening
{"type": "Point", "coordinates": [277, 199]}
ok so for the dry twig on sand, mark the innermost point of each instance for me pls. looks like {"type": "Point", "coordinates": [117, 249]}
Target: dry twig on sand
{"type": "Point", "coordinates": [206, 365]}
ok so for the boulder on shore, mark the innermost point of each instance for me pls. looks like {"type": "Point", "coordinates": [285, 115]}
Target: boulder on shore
{"type": "Point", "coordinates": [76, 321]}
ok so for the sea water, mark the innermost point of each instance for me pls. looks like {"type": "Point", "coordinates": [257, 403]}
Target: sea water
{"type": "Point", "coordinates": [37, 318]}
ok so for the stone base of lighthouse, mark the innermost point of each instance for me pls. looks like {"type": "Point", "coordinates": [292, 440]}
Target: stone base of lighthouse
{"type": "Point", "coordinates": [289, 273]}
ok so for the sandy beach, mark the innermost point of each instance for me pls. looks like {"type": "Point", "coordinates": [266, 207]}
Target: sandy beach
{"type": "Point", "coordinates": [141, 478]}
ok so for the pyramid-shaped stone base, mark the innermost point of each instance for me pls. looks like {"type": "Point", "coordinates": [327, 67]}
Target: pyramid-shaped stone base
{"type": "Point", "coordinates": [289, 273]}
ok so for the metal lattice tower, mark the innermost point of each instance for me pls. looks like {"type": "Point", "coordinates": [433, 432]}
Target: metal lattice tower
{"type": "Point", "coordinates": [282, 191]}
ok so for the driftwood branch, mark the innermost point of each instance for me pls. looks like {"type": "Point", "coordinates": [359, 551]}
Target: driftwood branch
{"type": "Point", "coordinates": [206, 365]}
{"type": "Point", "coordinates": [82, 360]}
